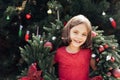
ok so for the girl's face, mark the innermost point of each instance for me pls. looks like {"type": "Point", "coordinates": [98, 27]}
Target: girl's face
{"type": "Point", "coordinates": [78, 35]}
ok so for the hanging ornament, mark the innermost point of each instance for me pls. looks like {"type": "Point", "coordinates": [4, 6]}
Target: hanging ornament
{"type": "Point", "coordinates": [28, 16]}
{"type": "Point", "coordinates": [109, 74]}
{"type": "Point", "coordinates": [113, 22]}
{"type": "Point", "coordinates": [39, 36]}
{"type": "Point", "coordinates": [101, 48]}
{"type": "Point", "coordinates": [58, 27]}
{"type": "Point", "coordinates": [27, 35]}
{"type": "Point", "coordinates": [112, 59]}
{"type": "Point", "coordinates": [103, 13]}
{"type": "Point", "coordinates": [53, 38]}
{"type": "Point", "coordinates": [116, 73]}
{"type": "Point", "coordinates": [108, 57]}
{"type": "Point", "coordinates": [20, 31]}
{"type": "Point", "coordinates": [93, 55]}
{"type": "Point", "coordinates": [98, 59]}
{"type": "Point", "coordinates": [106, 46]}
{"type": "Point", "coordinates": [41, 41]}
{"type": "Point", "coordinates": [94, 34]}
{"type": "Point", "coordinates": [49, 45]}
{"type": "Point", "coordinates": [8, 18]}
{"type": "Point", "coordinates": [49, 11]}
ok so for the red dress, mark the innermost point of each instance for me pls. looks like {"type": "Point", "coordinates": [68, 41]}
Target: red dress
{"type": "Point", "coordinates": [73, 66]}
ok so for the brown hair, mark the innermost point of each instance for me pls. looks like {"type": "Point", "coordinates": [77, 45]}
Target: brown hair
{"type": "Point", "coordinates": [76, 20]}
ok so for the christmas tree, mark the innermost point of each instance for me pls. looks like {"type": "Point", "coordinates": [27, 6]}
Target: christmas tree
{"type": "Point", "coordinates": [19, 19]}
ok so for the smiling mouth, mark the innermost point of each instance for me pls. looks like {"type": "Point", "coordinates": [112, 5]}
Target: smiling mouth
{"type": "Point", "coordinates": [77, 41]}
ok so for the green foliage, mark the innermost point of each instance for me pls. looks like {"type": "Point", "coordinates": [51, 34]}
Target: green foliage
{"type": "Point", "coordinates": [54, 33]}
{"type": "Point", "coordinates": [35, 51]}
{"type": "Point", "coordinates": [23, 73]}
{"type": "Point", "coordinates": [54, 6]}
{"type": "Point", "coordinates": [108, 58]}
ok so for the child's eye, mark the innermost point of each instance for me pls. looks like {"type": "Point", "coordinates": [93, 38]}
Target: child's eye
{"type": "Point", "coordinates": [75, 32]}
{"type": "Point", "coordinates": [84, 34]}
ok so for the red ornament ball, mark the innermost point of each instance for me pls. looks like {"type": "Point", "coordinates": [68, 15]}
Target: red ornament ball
{"type": "Point", "coordinates": [101, 48]}
{"type": "Point", "coordinates": [28, 16]}
{"type": "Point", "coordinates": [48, 44]}
{"type": "Point", "coordinates": [112, 59]}
{"type": "Point", "coordinates": [109, 74]}
{"type": "Point", "coordinates": [97, 59]}
{"type": "Point", "coordinates": [116, 73]}
{"type": "Point", "coordinates": [106, 46]}
{"type": "Point", "coordinates": [94, 34]}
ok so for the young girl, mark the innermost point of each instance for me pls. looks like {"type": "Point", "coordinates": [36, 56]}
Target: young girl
{"type": "Point", "coordinates": [74, 59]}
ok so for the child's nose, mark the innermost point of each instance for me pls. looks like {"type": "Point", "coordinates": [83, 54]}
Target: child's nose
{"type": "Point", "coordinates": [79, 36]}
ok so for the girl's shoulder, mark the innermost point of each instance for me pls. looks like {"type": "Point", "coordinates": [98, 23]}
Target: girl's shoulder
{"type": "Point", "coordinates": [61, 48]}
{"type": "Point", "coordinates": [60, 51]}
{"type": "Point", "coordinates": [87, 50]}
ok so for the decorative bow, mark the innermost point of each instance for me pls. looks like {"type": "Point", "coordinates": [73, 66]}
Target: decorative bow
{"type": "Point", "coordinates": [33, 73]}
